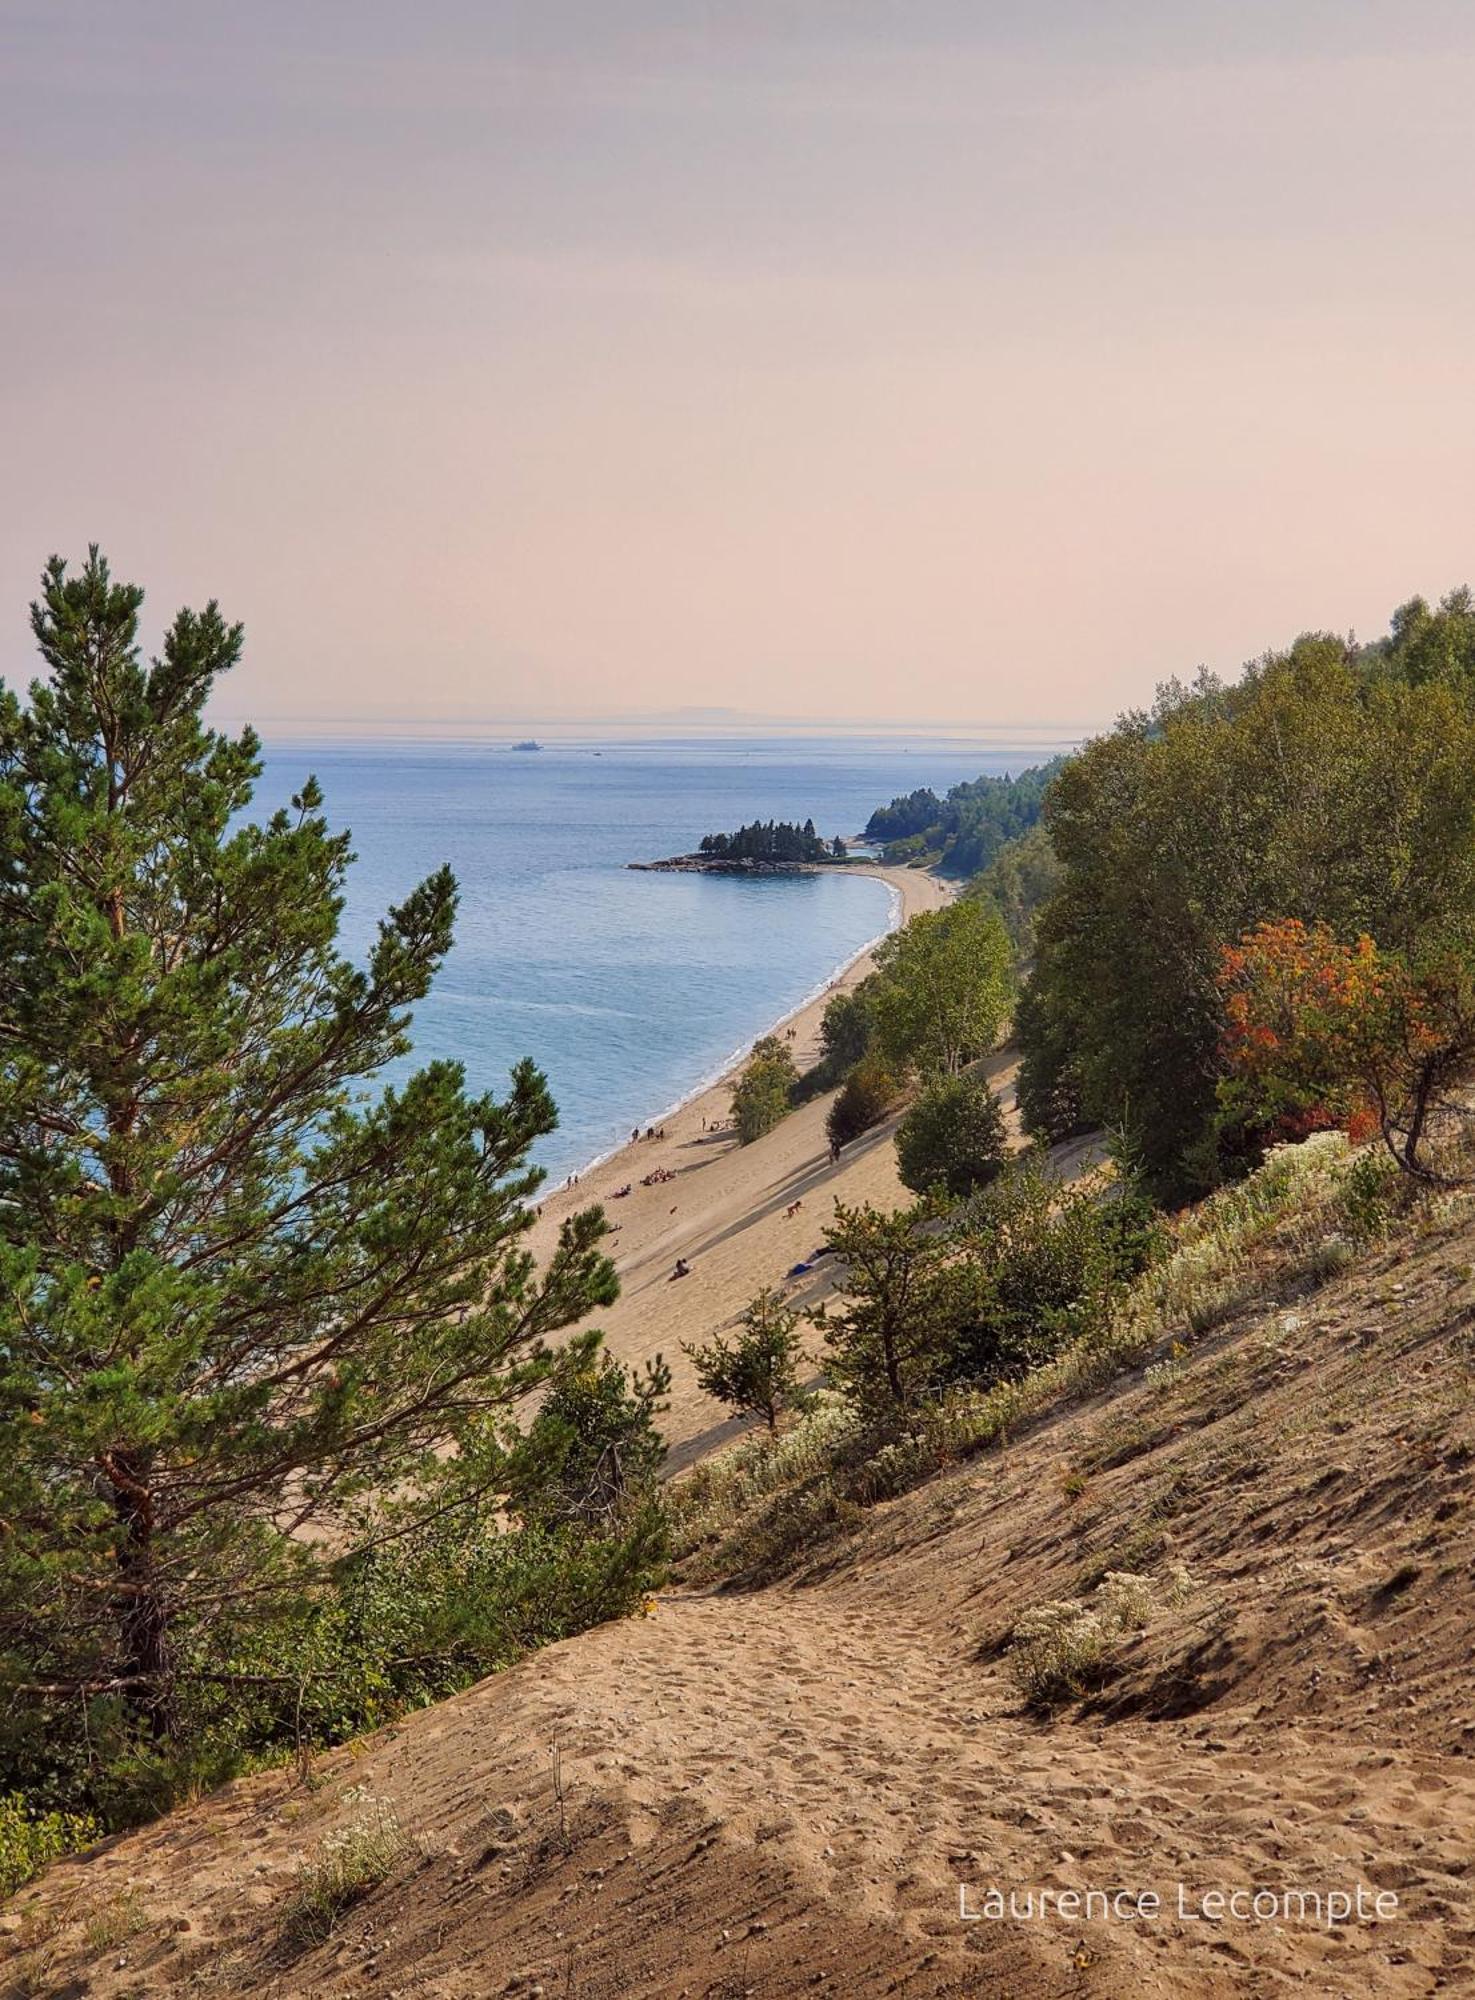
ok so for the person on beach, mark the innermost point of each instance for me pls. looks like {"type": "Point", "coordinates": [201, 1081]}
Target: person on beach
{"type": "Point", "coordinates": [683, 1270]}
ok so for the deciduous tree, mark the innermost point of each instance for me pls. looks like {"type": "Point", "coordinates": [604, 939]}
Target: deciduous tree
{"type": "Point", "coordinates": [1321, 1032]}
{"type": "Point", "coordinates": [943, 989]}
{"type": "Point", "coordinates": [762, 1094]}
{"type": "Point", "coordinates": [953, 1137]}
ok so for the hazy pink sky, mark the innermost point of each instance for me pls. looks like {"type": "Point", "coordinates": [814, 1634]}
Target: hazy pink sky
{"type": "Point", "coordinates": [979, 362]}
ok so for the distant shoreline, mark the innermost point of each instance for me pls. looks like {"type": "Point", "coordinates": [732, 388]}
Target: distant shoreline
{"type": "Point", "coordinates": [739, 1215]}
{"type": "Point", "coordinates": [724, 1077]}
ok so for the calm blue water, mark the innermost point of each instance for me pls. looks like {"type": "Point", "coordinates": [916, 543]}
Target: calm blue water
{"type": "Point", "coordinates": [628, 990]}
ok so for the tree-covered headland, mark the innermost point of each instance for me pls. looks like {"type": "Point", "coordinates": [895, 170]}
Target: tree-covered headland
{"type": "Point", "coordinates": [772, 840]}
{"type": "Point", "coordinates": [961, 833]}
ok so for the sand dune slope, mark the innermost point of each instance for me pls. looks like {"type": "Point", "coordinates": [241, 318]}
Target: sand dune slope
{"type": "Point", "coordinates": [783, 1790]}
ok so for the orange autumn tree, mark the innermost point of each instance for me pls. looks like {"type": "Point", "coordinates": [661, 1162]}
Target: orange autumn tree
{"type": "Point", "coordinates": [1321, 1033]}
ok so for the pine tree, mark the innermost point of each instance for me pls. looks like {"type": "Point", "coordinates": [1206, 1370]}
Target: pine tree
{"type": "Point", "coordinates": [910, 1287]}
{"type": "Point", "coordinates": [757, 1370]}
{"type": "Point", "coordinates": [239, 1290]}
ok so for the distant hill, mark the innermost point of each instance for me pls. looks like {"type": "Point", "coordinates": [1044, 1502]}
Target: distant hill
{"type": "Point", "coordinates": [963, 832]}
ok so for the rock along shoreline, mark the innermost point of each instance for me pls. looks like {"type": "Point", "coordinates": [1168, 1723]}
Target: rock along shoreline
{"type": "Point", "coordinates": [711, 864]}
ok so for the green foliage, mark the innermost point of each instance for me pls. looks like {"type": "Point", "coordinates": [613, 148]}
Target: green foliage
{"type": "Point", "coordinates": [416, 1612]}
{"type": "Point", "coordinates": [907, 1294]}
{"type": "Point", "coordinates": [1367, 1201]}
{"type": "Point", "coordinates": [845, 1038]}
{"type": "Point", "coordinates": [413, 1618]}
{"type": "Point", "coordinates": [29, 1839]}
{"type": "Point", "coordinates": [912, 852]}
{"type": "Point", "coordinates": [846, 1027]}
{"type": "Point", "coordinates": [772, 840]}
{"type": "Point", "coordinates": [953, 1137]}
{"type": "Point", "coordinates": [1327, 786]}
{"type": "Point", "coordinates": [240, 1293]}
{"type": "Point", "coordinates": [594, 1439]}
{"type": "Point", "coordinates": [906, 818]}
{"type": "Point", "coordinates": [943, 984]}
{"type": "Point", "coordinates": [757, 1370]}
{"type": "Point", "coordinates": [967, 829]}
{"type": "Point", "coordinates": [350, 1863]}
{"type": "Point", "coordinates": [1055, 1262]}
{"type": "Point", "coordinates": [1019, 881]}
{"type": "Point", "coordinates": [982, 1292]}
{"type": "Point", "coordinates": [1427, 645]}
{"type": "Point", "coordinates": [763, 1094]}
{"type": "Point", "coordinates": [862, 1101]}
{"type": "Point", "coordinates": [1047, 1087]}
{"type": "Point", "coordinates": [767, 1505]}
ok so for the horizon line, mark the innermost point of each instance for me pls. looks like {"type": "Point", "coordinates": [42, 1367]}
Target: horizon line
{"type": "Point", "coordinates": [663, 724]}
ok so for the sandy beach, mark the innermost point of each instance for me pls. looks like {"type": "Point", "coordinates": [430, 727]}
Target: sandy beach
{"type": "Point", "coordinates": [727, 1211]}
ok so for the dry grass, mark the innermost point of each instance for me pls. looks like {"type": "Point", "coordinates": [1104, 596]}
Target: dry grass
{"type": "Point", "coordinates": [112, 1923]}
{"type": "Point", "coordinates": [350, 1862]}
{"type": "Point", "coordinates": [1061, 1651]}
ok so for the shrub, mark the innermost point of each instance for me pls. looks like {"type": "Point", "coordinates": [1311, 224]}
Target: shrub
{"type": "Point", "coordinates": [756, 1372]}
{"type": "Point", "coordinates": [1368, 1199]}
{"type": "Point", "coordinates": [1060, 1650]}
{"type": "Point", "coordinates": [864, 1099]}
{"type": "Point", "coordinates": [594, 1441]}
{"type": "Point", "coordinates": [762, 1094]}
{"type": "Point", "coordinates": [953, 1137]}
{"type": "Point", "coordinates": [350, 1862]}
{"type": "Point", "coordinates": [1057, 1261]}
{"type": "Point", "coordinates": [709, 1501]}
{"type": "Point", "coordinates": [29, 1839]}
{"type": "Point", "coordinates": [1323, 1033]}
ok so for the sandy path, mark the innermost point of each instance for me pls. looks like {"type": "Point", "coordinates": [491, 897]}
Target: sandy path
{"type": "Point", "coordinates": [781, 1791]}
{"type": "Point", "coordinates": [836, 1765]}
{"type": "Point", "coordinates": [726, 1212]}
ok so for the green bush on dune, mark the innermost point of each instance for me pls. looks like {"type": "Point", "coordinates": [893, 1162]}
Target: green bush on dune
{"type": "Point", "coordinates": [952, 1138]}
